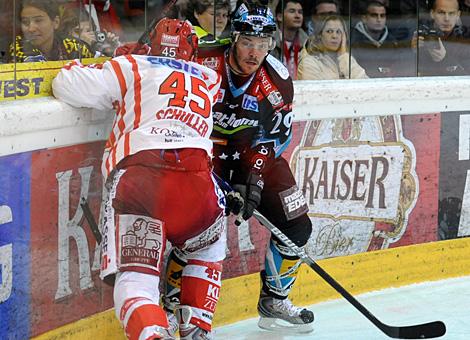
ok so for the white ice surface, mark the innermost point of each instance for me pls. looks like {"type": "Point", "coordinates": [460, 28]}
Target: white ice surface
{"type": "Point", "coordinates": [446, 300]}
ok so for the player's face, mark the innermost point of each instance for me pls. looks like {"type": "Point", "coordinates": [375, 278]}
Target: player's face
{"type": "Point", "coordinates": [206, 19]}
{"type": "Point", "coordinates": [37, 27]}
{"type": "Point", "coordinates": [332, 35]}
{"type": "Point", "coordinates": [445, 14]}
{"type": "Point", "coordinates": [249, 53]}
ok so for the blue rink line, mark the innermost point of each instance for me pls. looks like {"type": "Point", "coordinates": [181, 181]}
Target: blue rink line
{"type": "Point", "coordinates": [446, 300]}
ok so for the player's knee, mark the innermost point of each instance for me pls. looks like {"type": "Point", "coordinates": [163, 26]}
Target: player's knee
{"type": "Point", "coordinates": [298, 230]}
{"type": "Point", "coordinates": [200, 289]}
{"type": "Point", "coordinates": [136, 305]}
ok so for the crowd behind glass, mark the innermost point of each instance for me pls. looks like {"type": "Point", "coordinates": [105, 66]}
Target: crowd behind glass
{"type": "Point", "coordinates": [317, 39]}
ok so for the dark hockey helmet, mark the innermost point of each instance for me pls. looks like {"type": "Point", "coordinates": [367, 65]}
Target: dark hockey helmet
{"type": "Point", "coordinates": [174, 38]}
{"type": "Point", "coordinates": [253, 19]}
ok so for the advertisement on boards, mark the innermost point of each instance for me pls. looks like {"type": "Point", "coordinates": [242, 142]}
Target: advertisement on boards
{"type": "Point", "coordinates": [65, 286]}
{"type": "Point", "coordinates": [15, 261]}
{"type": "Point", "coordinates": [31, 80]}
{"type": "Point", "coordinates": [454, 176]}
{"type": "Point", "coordinates": [370, 182]}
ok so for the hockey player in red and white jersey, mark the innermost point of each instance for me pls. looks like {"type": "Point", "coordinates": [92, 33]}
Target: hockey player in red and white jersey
{"type": "Point", "coordinates": [157, 162]}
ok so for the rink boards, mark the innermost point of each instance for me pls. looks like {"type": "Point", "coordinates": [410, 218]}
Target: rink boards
{"type": "Point", "coordinates": [382, 191]}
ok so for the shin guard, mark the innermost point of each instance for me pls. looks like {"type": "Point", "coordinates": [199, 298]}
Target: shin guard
{"type": "Point", "coordinates": [281, 268]}
{"type": "Point", "coordinates": [200, 289]}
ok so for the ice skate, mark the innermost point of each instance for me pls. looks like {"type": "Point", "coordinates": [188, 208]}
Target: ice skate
{"type": "Point", "coordinates": [192, 332]}
{"type": "Point", "coordinates": [282, 315]}
{"type": "Point", "coordinates": [189, 331]}
{"type": "Point", "coordinates": [170, 333]}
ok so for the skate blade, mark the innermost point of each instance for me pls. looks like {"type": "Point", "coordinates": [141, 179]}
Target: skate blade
{"type": "Point", "coordinates": [279, 325]}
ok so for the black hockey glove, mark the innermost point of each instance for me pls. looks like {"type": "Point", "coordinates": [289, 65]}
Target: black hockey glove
{"type": "Point", "coordinates": [251, 193]}
{"type": "Point", "coordinates": [234, 203]}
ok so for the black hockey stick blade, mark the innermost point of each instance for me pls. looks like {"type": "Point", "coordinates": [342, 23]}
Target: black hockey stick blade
{"type": "Point", "coordinates": [428, 330]}
{"type": "Point", "coordinates": [421, 331]}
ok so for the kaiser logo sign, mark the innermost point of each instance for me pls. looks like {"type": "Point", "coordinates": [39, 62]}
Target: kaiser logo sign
{"type": "Point", "coordinates": [359, 180]}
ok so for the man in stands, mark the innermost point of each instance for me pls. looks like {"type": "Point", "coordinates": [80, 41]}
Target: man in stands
{"type": "Point", "coordinates": [321, 9]}
{"type": "Point", "coordinates": [291, 37]}
{"type": "Point", "coordinates": [441, 44]}
{"type": "Point", "coordinates": [252, 127]}
{"type": "Point", "coordinates": [375, 48]}
{"type": "Point", "coordinates": [157, 162]}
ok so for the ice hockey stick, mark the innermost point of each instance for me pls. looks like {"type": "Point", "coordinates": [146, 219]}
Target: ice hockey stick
{"type": "Point", "coordinates": [422, 331]}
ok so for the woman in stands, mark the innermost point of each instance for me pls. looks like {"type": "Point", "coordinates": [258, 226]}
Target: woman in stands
{"type": "Point", "coordinates": [201, 14]}
{"type": "Point", "coordinates": [39, 41]}
{"type": "Point", "coordinates": [326, 55]}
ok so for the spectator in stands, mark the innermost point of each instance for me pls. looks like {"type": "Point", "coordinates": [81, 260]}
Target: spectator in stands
{"type": "Point", "coordinates": [290, 37]}
{"type": "Point", "coordinates": [202, 14]}
{"type": "Point", "coordinates": [39, 40]}
{"type": "Point", "coordinates": [321, 9]}
{"type": "Point", "coordinates": [375, 48]}
{"type": "Point", "coordinates": [326, 56]}
{"type": "Point", "coordinates": [80, 25]}
{"type": "Point", "coordinates": [441, 44]}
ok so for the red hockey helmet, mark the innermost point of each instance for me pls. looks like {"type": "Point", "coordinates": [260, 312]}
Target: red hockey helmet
{"type": "Point", "coordinates": [174, 38]}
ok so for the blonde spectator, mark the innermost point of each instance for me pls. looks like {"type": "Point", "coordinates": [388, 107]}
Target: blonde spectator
{"type": "Point", "coordinates": [39, 40]}
{"type": "Point", "coordinates": [326, 55]}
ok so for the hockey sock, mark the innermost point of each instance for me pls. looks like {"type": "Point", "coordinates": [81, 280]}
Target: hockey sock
{"type": "Point", "coordinates": [200, 289]}
{"type": "Point", "coordinates": [281, 268]}
{"type": "Point", "coordinates": [136, 305]}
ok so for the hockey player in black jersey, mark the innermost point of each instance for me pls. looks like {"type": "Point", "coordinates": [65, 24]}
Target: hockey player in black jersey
{"type": "Point", "coordinates": [252, 127]}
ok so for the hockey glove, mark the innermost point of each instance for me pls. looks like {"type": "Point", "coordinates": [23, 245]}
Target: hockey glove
{"type": "Point", "coordinates": [234, 203]}
{"type": "Point", "coordinates": [251, 193]}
